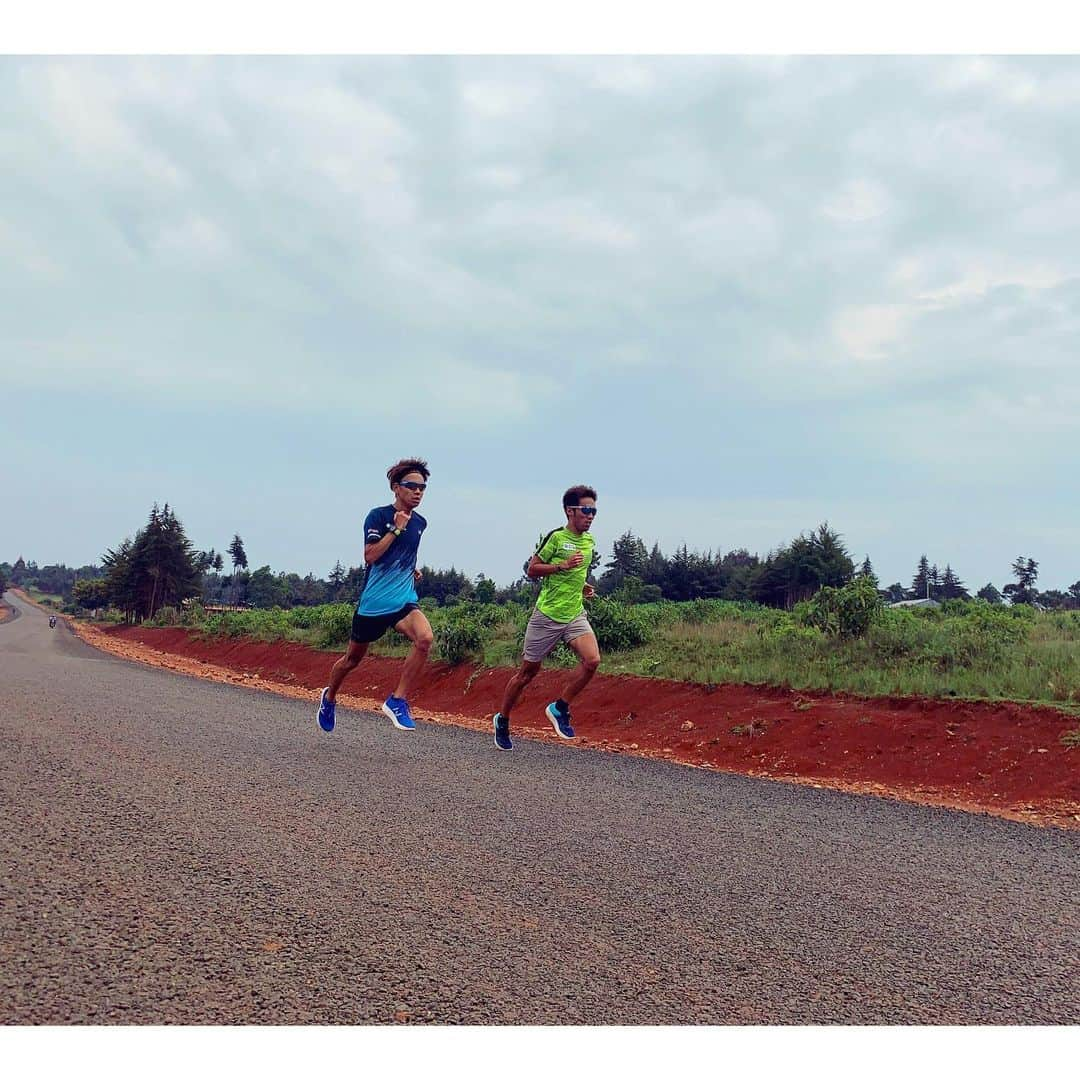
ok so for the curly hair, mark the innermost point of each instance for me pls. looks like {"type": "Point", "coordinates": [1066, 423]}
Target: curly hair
{"type": "Point", "coordinates": [574, 495]}
{"type": "Point", "coordinates": [398, 471]}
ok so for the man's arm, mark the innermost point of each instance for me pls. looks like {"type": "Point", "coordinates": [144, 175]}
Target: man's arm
{"type": "Point", "coordinates": [537, 568]}
{"type": "Point", "coordinates": [377, 549]}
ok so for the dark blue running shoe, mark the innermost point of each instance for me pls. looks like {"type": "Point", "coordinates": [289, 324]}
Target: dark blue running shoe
{"type": "Point", "coordinates": [560, 721]}
{"type": "Point", "coordinates": [502, 732]}
{"type": "Point", "coordinates": [397, 709]}
{"type": "Point", "coordinates": [326, 712]}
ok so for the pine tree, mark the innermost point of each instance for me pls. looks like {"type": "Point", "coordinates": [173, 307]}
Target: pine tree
{"type": "Point", "coordinates": [157, 568]}
{"type": "Point", "coordinates": [867, 571]}
{"type": "Point", "coordinates": [239, 562]}
{"type": "Point", "coordinates": [952, 588]}
{"type": "Point", "coordinates": [920, 584]}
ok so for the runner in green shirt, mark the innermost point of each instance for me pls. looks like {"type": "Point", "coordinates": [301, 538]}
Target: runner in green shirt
{"type": "Point", "coordinates": [562, 560]}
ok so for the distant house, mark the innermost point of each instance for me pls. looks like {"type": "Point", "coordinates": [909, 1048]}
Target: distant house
{"type": "Point", "coordinates": [916, 603]}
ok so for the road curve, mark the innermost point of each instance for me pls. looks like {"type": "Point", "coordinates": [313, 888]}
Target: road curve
{"type": "Point", "coordinates": [178, 851]}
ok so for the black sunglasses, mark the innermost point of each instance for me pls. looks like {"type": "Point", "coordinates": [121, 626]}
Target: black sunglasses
{"type": "Point", "coordinates": [589, 511]}
{"type": "Point", "coordinates": [412, 485]}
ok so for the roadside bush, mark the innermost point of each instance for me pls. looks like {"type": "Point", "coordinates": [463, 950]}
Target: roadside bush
{"type": "Point", "coordinates": [788, 632]}
{"type": "Point", "coordinates": [193, 615]}
{"type": "Point", "coordinates": [847, 611]}
{"type": "Point", "coordinates": [304, 618]}
{"type": "Point", "coordinates": [700, 612]}
{"type": "Point", "coordinates": [334, 626]}
{"type": "Point", "coordinates": [165, 616]}
{"type": "Point", "coordinates": [616, 626]}
{"type": "Point", "coordinates": [460, 636]}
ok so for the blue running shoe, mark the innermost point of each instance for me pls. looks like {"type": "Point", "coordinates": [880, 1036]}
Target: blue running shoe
{"type": "Point", "coordinates": [560, 721]}
{"type": "Point", "coordinates": [502, 732]}
{"type": "Point", "coordinates": [397, 709]}
{"type": "Point", "coordinates": [326, 712]}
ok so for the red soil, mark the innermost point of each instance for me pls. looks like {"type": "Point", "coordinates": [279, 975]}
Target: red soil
{"type": "Point", "coordinates": [1004, 758]}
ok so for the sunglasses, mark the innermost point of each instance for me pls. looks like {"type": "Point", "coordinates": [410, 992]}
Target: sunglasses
{"type": "Point", "coordinates": [413, 485]}
{"type": "Point", "coordinates": [588, 511]}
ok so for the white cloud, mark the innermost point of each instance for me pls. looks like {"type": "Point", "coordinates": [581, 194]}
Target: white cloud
{"type": "Point", "coordinates": [570, 220]}
{"type": "Point", "coordinates": [498, 98]}
{"type": "Point", "coordinates": [195, 237]}
{"type": "Point", "coordinates": [866, 333]}
{"type": "Point", "coordinates": [733, 233]}
{"type": "Point", "coordinates": [625, 75]}
{"type": "Point", "coordinates": [856, 202]}
{"type": "Point", "coordinates": [499, 177]}
{"type": "Point", "coordinates": [83, 107]}
{"type": "Point", "coordinates": [978, 279]}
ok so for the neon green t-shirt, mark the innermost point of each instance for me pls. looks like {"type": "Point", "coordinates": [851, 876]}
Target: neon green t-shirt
{"type": "Point", "coordinates": [560, 594]}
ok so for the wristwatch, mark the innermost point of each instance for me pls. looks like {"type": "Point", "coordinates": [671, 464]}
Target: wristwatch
{"type": "Point", "coordinates": [396, 531]}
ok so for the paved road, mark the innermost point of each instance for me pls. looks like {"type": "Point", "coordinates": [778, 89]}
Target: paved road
{"type": "Point", "coordinates": [173, 850]}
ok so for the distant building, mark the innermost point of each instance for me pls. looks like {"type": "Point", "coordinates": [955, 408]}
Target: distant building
{"type": "Point", "coordinates": [916, 603]}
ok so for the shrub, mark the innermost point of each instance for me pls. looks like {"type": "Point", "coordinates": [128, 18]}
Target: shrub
{"type": "Point", "coordinates": [304, 618]}
{"type": "Point", "coordinates": [165, 616]}
{"type": "Point", "coordinates": [846, 611]}
{"type": "Point", "coordinates": [334, 626]}
{"type": "Point", "coordinates": [617, 626]}
{"type": "Point", "coordinates": [460, 636]}
{"type": "Point", "coordinates": [789, 632]}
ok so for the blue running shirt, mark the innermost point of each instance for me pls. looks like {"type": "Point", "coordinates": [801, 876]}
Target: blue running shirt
{"type": "Point", "coordinates": [388, 582]}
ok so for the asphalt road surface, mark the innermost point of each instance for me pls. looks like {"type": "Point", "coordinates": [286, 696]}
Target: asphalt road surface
{"type": "Point", "coordinates": [177, 851]}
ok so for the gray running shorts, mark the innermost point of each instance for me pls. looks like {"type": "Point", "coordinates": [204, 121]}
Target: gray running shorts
{"type": "Point", "coordinates": [543, 634]}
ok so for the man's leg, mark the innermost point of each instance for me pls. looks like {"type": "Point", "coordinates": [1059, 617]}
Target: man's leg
{"type": "Point", "coordinates": [417, 629]}
{"type": "Point", "coordinates": [518, 681]}
{"type": "Point", "coordinates": [325, 713]}
{"type": "Point", "coordinates": [356, 653]}
{"type": "Point", "coordinates": [588, 652]}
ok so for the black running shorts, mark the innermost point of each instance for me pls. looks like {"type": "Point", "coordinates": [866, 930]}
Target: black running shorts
{"type": "Point", "coordinates": [367, 628]}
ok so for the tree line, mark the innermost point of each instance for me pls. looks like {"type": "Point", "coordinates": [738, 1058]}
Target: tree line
{"type": "Point", "coordinates": [159, 567]}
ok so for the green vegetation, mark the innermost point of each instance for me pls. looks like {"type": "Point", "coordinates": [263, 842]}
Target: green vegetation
{"type": "Point", "coordinates": [803, 616]}
{"type": "Point", "coordinates": [45, 599]}
{"type": "Point", "coordinates": [842, 641]}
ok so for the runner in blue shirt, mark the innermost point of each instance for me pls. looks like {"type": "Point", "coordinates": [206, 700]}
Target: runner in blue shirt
{"type": "Point", "coordinates": [388, 596]}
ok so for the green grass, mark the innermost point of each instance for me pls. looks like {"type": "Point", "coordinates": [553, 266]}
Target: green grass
{"type": "Point", "coordinates": [46, 599]}
{"type": "Point", "coordinates": [960, 650]}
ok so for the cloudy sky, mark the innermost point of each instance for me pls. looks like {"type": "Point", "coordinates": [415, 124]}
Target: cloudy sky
{"type": "Point", "coordinates": [739, 296]}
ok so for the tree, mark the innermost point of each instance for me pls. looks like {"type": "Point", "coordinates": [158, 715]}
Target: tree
{"type": "Point", "coordinates": [484, 590]}
{"type": "Point", "coordinates": [795, 572]}
{"type": "Point", "coordinates": [444, 586]}
{"type": "Point", "coordinates": [1074, 592]}
{"type": "Point", "coordinates": [1054, 599]}
{"type": "Point", "coordinates": [893, 593]}
{"type": "Point", "coordinates": [265, 589]}
{"type": "Point", "coordinates": [867, 571]}
{"type": "Point", "coordinates": [335, 581]}
{"type": "Point", "coordinates": [628, 557]}
{"type": "Point", "coordinates": [239, 560]}
{"type": "Point", "coordinates": [237, 553]}
{"type": "Point", "coordinates": [920, 583]}
{"type": "Point", "coordinates": [1026, 572]}
{"type": "Point", "coordinates": [952, 588]}
{"type": "Point", "coordinates": [155, 569]}
{"type": "Point", "coordinates": [91, 593]}
{"type": "Point", "coordinates": [119, 578]}
{"type": "Point", "coordinates": [3, 583]}
{"type": "Point", "coordinates": [309, 591]}
{"type": "Point", "coordinates": [989, 593]}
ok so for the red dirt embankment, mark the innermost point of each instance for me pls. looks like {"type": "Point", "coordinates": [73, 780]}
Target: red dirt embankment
{"type": "Point", "coordinates": [1000, 758]}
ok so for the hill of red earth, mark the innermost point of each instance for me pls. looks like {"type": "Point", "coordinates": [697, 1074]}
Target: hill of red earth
{"type": "Point", "coordinates": [1002, 758]}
